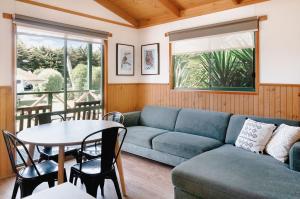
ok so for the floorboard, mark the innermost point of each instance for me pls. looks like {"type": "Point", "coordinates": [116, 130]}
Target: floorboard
{"type": "Point", "coordinates": [145, 179]}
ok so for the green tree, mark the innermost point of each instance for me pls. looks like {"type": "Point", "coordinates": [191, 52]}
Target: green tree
{"type": "Point", "coordinates": [80, 80]}
{"type": "Point", "coordinates": [32, 58]}
{"type": "Point", "coordinates": [227, 68]}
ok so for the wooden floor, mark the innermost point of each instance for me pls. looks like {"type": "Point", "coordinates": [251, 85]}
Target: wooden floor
{"type": "Point", "coordinates": [145, 179]}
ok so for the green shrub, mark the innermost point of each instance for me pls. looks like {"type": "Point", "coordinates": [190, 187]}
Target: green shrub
{"type": "Point", "coordinates": [79, 77]}
{"type": "Point", "coordinates": [53, 80]}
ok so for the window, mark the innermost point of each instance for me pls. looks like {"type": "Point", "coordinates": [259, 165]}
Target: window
{"type": "Point", "coordinates": [219, 56]}
{"type": "Point", "coordinates": [56, 70]}
{"type": "Point", "coordinates": [223, 62]}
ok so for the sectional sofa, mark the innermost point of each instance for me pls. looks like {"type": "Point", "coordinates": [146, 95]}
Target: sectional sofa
{"type": "Point", "coordinates": [200, 144]}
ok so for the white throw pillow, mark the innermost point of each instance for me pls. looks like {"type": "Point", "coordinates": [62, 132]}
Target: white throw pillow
{"type": "Point", "coordinates": [283, 139]}
{"type": "Point", "coordinates": [254, 136]}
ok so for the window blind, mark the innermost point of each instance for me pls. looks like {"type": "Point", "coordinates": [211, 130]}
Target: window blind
{"type": "Point", "coordinates": [246, 24]}
{"type": "Point", "coordinates": [65, 28]}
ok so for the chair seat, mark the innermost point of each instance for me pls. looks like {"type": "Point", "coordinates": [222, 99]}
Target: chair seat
{"type": "Point", "coordinates": [89, 167]}
{"type": "Point", "coordinates": [45, 167]}
{"type": "Point", "coordinates": [53, 151]}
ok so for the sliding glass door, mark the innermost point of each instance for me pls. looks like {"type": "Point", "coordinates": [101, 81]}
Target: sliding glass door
{"type": "Point", "coordinates": [56, 73]}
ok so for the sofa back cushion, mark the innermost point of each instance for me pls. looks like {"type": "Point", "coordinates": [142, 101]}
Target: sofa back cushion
{"type": "Point", "coordinates": [159, 117]}
{"type": "Point", "coordinates": [237, 121]}
{"type": "Point", "coordinates": [203, 123]}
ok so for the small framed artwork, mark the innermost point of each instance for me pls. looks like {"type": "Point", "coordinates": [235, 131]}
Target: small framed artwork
{"type": "Point", "coordinates": [150, 59]}
{"type": "Point", "coordinates": [125, 60]}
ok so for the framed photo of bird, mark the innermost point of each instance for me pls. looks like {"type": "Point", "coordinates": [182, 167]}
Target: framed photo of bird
{"type": "Point", "coordinates": [125, 60]}
{"type": "Point", "coordinates": [150, 59]}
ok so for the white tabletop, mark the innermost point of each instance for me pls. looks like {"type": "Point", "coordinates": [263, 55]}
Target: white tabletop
{"type": "Point", "coordinates": [64, 133]}
{"type": "Point", "coordinates": [63, 191]}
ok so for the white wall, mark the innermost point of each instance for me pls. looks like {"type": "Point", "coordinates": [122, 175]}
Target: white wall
{"type": "Point", "coordinates": [6, 43]}
{"type": "Point", "coordinates": [279, 39]}
{"type": "Point", "coordinates": [121, 34]}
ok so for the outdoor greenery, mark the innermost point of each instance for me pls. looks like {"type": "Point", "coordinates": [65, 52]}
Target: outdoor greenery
{"type": "Point", "coordinates": [213, 70]}
{"type": "Point", "coordinates": [48, 64]}
{"type": "Point", "coordinates": [79, 75]}
{"type": "Point", "coordinates": [54, 81]}
{"type": "Point", "coordinates": [32, 58]}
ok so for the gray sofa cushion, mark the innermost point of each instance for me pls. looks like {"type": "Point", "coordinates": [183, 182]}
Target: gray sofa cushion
{"type": "Point", "coordinates": [230, 172]}
{"type": "Point", "coordinates": [142, 135]}
{"type": "Point", "coordinates": [159, 117]}
{"type": "Point", "coordinates": [237, 121]}
{"type": "Point", "coordinates": [132, 118]}
{"type": "Point", "coordinates": [294, 157]}
{"type": "Point", "coordinates": [203, 123]}
{"type": "Point", "coordinates": [183, 144]}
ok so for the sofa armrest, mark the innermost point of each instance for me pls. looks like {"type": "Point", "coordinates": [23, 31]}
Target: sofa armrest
{"type": "Point", "coordinates": [294, 157]}
{"type": "Point", "coordinates": [132, 118]}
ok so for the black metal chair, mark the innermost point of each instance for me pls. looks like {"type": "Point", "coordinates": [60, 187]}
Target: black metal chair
{"type": "Point", "coordinates": [51, 153]}
{"type": "Point", "coordinates": [94, 151]}
{"type": "Point", "coordinates": [30, 176]}
{"type": "Point", "coordinates": [94, 172]}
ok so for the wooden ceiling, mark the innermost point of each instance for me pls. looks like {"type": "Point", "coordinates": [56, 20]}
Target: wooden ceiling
{"type": "Point", "coordinates": [144, 13]}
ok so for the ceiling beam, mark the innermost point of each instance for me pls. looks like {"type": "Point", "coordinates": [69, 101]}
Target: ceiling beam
{"type": "Point", "coordinates": [237, 1]}
{"type": "Point", "coordinates": [170, 7]}
{"type": "Point", "coordinates": [208, 8]}
{"type": "Point", "coordinates": [118, 11]}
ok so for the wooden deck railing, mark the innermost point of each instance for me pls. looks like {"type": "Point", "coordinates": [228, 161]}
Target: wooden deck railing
{"type": "Point", "coordinates": [90, 104]}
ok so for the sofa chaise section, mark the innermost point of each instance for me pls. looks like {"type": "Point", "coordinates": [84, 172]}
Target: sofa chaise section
{"type": "Point", "coordinates": [230, 172]}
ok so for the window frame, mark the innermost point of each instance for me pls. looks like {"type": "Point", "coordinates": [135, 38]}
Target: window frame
{"type": "Point", "coordinates": [216, 90]}
{"type": "Point", "coordinates": [104, 68]}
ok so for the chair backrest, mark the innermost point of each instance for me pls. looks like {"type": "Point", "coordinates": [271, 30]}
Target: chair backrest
{"type": "Point", "coordinates": [114, 116]}
{"type": "Point", "coordinates": [13, 144]}
{"type": "Point", "coordinates": [26, 115]}
{"type": "Point", "coordinates": [87, 110]}
{"type": "Point", "coordinates": [109, 139]}
{"type": "Point", "coordinates": [45, 118]}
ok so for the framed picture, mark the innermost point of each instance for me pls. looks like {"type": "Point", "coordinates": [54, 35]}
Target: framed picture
{"type": "Point", "coordinates": [150, 59]}
{"type": "Point", "coordinates": [125, 60]}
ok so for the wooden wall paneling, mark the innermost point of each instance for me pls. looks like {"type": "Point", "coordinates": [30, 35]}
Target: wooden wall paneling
{"type": "Point", "coordinates": [245, 104]}
{"type": "Point", "coordinates": [251, 105]}
{"type": "Point", "coordinates": [296, 103]}
{"type": "Point", "coordinates": [289, 108]}
{"type": "Point", "coordinates": [261, 101]}
{"type": "Point", "coordinates": [6, 123]}
{"type": "Point", "coordinates": [272, 100]}
{"type": "Point", "coordinates": [266, 101]}
{"type": "Point", "coordinates": [283, 101]}
{"type": "Point", "coordinates": [279, 101]}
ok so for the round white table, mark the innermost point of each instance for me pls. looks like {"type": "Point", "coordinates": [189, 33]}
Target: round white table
{"type": "Point", "coordinates": [67, 133]}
